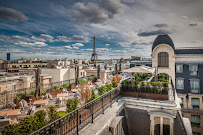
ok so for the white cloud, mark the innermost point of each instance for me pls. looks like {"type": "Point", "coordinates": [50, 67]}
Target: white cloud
{"type": "Point", "coordinates": [68, 47]}
{"type": "Point", "coordinates": [35, 44]}
{"type": "Point", "coordinates": [107, 44]}
{"type": "Point", "coordinates": [74, 47]}
{"type": "Point", "coordinates": [77, 45]}
{"type": "Point", "coordinates": [87, 50]}
{"type": "Point", "coordinates": [74, 38]}
{"type": "Point", "coordinates": [63, 38]}
{"type": "Point", "coordinates": [47, 37]}
{"type": "Point", "coordinates": [102, 49]}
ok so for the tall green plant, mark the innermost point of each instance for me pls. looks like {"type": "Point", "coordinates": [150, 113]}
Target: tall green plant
{"type": "Point", "coordinates": [39, 119]}
{"type": "Point", "coordinates": [26, 125]}
{"type": "Point", "coordinates": [56, 87]}
{"type": "Point", "coordinates": [52, 114]}
{"type": "Point", "coordinates": [114, 85]}
{"type": "Point", "coordinates": [71, 104]}
{"type": "Point", "coordinates": [11, 129]}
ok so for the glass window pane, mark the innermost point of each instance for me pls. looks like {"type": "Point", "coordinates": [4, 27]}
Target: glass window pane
{"type": "Point", "coordinates": [163, 60]}
{"type": "Point", "coordinates": [179, 83]}
{"type": "Point", "coordinates": [195, 119]}
{"type": "Point", "coordinates": [195, 101]}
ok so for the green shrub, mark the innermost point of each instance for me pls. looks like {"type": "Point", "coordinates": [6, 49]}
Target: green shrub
{"type": "Point", "coordinates": [32, 93]}
{"type": "Point", "coordinates": [109, 87]}
{"type": "Point", "coordinates": [39, 120]}
{"type": "Point", "coordinates": [82, 81]}
{"type": "Point", "coordinates": [143, 84]}
{"type": "Point", "coordinates": [10, 129]}
{"type": "Point", "coordinates": [26, 125]}
{"type": "Point", "coordinates": [139, 78]}
{"type": "Point", "coordinates": [43, 91]}
{"type": "Point", "coordinates": [65, 85]}
{"type": "Point", "coordinates": [136, 82]}
{"type": "Point", "coordinates": [56, 87]}
{"type": "Point", "coordinates": [95, 78]}
{"type": "Point", "coordinates": [102, 90]}
{"type": "Point", "coordinates": [114, 85]}
{"type": "Point", "coordinates": [61, 113]}
{"type": "Point", "coordinates": [52, 114]}
{"type": "Point", "coordinates": [20, 95]}
{"type": "Point", "coordinates": [127, 82]}
{"type": "Point", "coordinates": [90, 78]}
{"type": "Point", "coordinates": [72, 104]}
{"type": "Point", "coordinates": [165, 84]}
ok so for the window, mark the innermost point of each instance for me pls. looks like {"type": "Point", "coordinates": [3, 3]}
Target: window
{"type": "Point", "coordinates": [195, 102]}
{"type": "Point", "coordinates": [182, 102]}
{"type": "Point", "coordinates": [193, 70]}
{"type": "Point", "coordinates": [194, 86]}
{"type": "Point", "coordinates": [31, 85]}
{"type": "Point", "coordinates": [165, 127]}
{"type": "Point", "coordinates": [163, 60]}
{"type": "Point", "coordinates": [13, 87]}
{"type": "Point", "coordinates": [195, 119]}
{"type": "Point", "coordinates": [179, 68]}
{"type": "Point", "coordinates": [179, 83]}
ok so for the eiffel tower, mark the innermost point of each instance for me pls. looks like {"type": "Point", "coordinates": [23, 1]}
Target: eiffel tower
{"type": "Point", "coordinates": [94, 55]}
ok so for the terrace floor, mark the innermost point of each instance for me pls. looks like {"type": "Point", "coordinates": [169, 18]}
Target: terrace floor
{"type": "Point", "coordinates": [101, 121]}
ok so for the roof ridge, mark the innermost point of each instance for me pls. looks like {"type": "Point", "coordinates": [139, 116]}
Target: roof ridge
{"type": "Point", "coordinates": [181, 48]}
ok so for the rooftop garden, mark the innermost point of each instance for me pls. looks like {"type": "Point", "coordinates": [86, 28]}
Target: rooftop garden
{"type": "Point", "coordinates": [141, 84]}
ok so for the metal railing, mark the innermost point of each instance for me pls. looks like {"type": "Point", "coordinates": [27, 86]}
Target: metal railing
{"type": "Point", "coordinates": [74, 121]}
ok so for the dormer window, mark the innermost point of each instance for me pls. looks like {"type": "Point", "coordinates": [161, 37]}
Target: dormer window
{"type": "Point", "coordinates": [163, 59]}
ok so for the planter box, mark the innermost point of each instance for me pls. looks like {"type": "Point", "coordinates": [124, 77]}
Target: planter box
{"type": "Point", "coordinates": [146, 95]}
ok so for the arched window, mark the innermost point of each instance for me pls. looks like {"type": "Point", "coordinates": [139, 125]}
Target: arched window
{"type": "Point", "coordinates": [163, 60]}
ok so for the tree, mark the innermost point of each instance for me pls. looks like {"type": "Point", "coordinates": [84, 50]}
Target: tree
{"type": "Point", "coordinates": [114, 85]}
{"type": "Point", "coordinates": [87, 95]}
{"type": "Point", "coordinates": [10, 129]}
{"type": "Point", "coordinates": [71, 105]}
{"type": "Point", "coordinates": [117, 79]}
{"type": "Point", "coordinates": [82, 93]}
{"type": "Point", "coordinates": [26, 125]}
{"type": "Point", "coordinates": [39, 119]}
{"type": "Point", "coordinates": [114, 79]}
{"type": "Point", "coordinates": [52, 114]}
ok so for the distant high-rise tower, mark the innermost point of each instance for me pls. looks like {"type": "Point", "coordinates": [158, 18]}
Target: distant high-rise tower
{"type": "Point", "coordinates": [8, 56]}
{"type": "Point", "coordinates": [94, 55]}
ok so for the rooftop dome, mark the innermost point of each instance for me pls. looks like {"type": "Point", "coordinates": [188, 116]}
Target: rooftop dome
{"type": "Point", "coordinates": [163, 39]}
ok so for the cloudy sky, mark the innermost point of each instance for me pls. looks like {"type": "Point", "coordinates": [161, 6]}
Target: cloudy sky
{"type": "Point", "coordinates": [51, 29]}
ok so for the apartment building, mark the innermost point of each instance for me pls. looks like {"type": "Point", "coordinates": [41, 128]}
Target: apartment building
{"type": "Point", "coordinates": [185, 67]}
{"type": "Point", "coordinates": [63, 74]}
{"type": "Point", "coordinates": [22, 82]}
